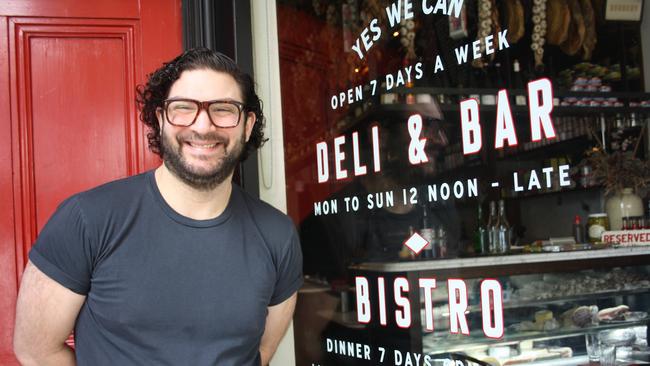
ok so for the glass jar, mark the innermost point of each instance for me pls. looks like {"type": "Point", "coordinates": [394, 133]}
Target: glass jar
{"type": "Point", "coordinates": [596, 225]}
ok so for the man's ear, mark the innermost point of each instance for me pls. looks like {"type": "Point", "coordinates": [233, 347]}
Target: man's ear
{"type": "Point", "coordinates": [251, 119]}
{"type": "Point", "coordinates": [159, 117]}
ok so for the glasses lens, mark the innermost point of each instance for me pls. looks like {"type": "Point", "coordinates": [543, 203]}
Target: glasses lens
{"type": "Point", "coordinates": [224, 114]}
{"type": "Point", "coordinates": [181, 112]}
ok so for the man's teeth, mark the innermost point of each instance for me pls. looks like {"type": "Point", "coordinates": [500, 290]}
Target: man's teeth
{"type": "Point", "coordinates": [204, 146]}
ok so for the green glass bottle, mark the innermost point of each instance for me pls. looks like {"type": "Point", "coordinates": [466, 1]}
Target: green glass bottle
{"type": "Point", "coordinates": [481, 235]}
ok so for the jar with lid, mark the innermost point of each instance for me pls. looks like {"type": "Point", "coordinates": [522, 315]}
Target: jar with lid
{"type": "Point", "coordinates": [596, 225]}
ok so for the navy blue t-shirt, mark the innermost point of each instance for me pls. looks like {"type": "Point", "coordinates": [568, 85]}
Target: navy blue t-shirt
{"type": "Point", "coordinates": [163, 289]}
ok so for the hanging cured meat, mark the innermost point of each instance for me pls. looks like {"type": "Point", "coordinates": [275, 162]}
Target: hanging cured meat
{"type": "Point", "coordinates": [558, 18]}
{"type": "Point", "coordinates": [514, 20]}
{"type": "Point", "coordinates": [577, 29]}
{"type": "Point", "coordinates": [589, 43]}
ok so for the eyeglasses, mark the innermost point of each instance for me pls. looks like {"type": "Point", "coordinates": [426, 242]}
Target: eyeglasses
{"type": "Point", "coordinates": [222, 113]}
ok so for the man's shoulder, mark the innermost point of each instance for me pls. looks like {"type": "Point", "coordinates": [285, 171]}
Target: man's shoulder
{"type": "Point", "coordinates": [261, 209]}
{"type": "Point", "coordinates": [113, 193]}
{"type": "Point", "coordinates": [268, 219]}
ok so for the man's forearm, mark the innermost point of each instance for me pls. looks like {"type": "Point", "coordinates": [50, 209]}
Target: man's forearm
{"type": "Point", "coordinates": [265, 356]}
{"type": "Point", "coordinates": [277, 322]}
{"type": "Point", "coordinates": [64, 357]}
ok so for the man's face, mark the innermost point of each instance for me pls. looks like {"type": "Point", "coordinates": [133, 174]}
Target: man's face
{"type": "Point", "coordinates": [203, 155]}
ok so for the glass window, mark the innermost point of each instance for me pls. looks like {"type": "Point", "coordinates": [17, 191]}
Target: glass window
{"type": "Point", "coordinates": [469, 179]}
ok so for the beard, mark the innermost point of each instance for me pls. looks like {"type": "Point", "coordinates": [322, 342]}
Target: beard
{"type": "Point", "coordinates": [201, 179]}
{"type": "Point", "coordinates": [396, 167]}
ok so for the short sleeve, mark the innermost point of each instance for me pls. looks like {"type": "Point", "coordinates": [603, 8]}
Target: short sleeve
{"type": "Point", "coordinates": [62, 249]}
{"type": "Point", "coordinates": [289, 278]}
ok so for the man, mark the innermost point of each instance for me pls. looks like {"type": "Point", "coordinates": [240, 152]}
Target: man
{"type": "Point", "coordinates": [378, 234]}
{"type": "Point", "coordinates": [175, 266]}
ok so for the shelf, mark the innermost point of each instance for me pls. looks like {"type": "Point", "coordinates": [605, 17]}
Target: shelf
{"type": "Point", "coordinates": [466, 169]}
{"type": "Point", "coordinates": [611, 255]}
{"type": "Point", "coordinates": [516, 304]}
{"type": "Point", "coordinates": [493, 91]}
{"type": "Point", "coordinates": [557, 110]}
{"type": "Point", "coordinates": [446, 113]}
{"type": "Point", "coordinates": [548, 193]}
{"type": "Point", "coordinates": [384, 111]}
{"type": "Point", "coordinates": [516, 109]}
{"type": "Point", "coordinates": [377, 111]}
{"type": "Point", "coordinates": [551, 149]}
{"type": "Point", "coordinates": [446, 342]}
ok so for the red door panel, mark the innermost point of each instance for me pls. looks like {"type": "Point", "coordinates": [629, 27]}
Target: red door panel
{"type": "Point", "coordinates": [76, 123]}
{"type": "Point", "coordinates": [76, 147]}
{"type": "Point", "coordinates": [68, 117]}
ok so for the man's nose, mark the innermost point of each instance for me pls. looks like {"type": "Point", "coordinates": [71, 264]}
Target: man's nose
{"type": "Point", "coordinates": [203, 122]}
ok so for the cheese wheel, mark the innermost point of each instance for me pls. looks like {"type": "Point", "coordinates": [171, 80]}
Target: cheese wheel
{"type": "Point", "coordinates": [542, 316]}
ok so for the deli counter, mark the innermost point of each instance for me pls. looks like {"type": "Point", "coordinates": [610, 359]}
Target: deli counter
{"type": "Point", "coordinates": [552, 302]}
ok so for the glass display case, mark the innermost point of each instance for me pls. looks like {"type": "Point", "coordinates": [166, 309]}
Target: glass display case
{"type": "Point", "coordinates": [549, 304]}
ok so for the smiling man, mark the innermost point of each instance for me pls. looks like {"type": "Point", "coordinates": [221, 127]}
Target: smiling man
{"type": "Point", "coordinates": [175, 266]}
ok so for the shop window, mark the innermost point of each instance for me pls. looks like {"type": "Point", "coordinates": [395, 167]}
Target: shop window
{"type": "Point", "coordinates": [469, 179]}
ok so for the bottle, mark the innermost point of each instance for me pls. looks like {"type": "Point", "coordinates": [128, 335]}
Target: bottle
{"type": "Point", "coordinates": [487, 98]}
{"type": "Point", "coordinates": [387, 97]}
{"type": "Point", "coordinates": [503, 230]}
{"type": "Point", "coordinates": [441, 81]}
{"type": "Point", "coordinates": [500, 81]}
{"type": "Point", "coordinates": [518, 83]}
{"type": "Point", "coordinates": [491, 228]}
{"type": "Point", "coordinates": [441, 238]}
{"type": "Point", "coordinates": [476, 83]}
{"type": "Point", "coordinates": [626, 224]}
{"type": "Point", "coordinates": [427, 232]}
{"type": "Point", "coordinates": [481, 237]}
{"type": "Point", "coordinates": [410, 97]}
{"type": "Point", "coordinates": [406, 253]}
{"type": "Point", "coordinates": [578, 230]}
{"type": "Point", "coordinates": [617, 135]}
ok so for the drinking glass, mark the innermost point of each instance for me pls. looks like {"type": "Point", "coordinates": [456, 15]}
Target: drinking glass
{"type": "Point", "coordinates": [610, 341]}
{"type": "Point", "coordinates": [593, 347]}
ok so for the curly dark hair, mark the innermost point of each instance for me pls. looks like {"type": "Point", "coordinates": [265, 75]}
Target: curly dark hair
{"type": "Point", "coordinates": [151, 96]}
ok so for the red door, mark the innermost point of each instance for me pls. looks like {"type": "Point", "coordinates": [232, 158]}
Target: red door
{"type": "Point", "coordinates": [68, 120]}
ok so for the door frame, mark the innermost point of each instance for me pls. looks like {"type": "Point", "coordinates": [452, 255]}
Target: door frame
{"type": "Point", "coordinates": [225, 26]}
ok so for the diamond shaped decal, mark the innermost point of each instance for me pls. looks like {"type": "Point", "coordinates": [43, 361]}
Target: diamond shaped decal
{"type": "Point", "coordinates": [416, 243]}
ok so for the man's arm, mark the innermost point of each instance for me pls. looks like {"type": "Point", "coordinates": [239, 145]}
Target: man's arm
{"type": "Point", "coordinates": [45, 316]}
{"type": "Point", "coordinates": [277, 322]}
